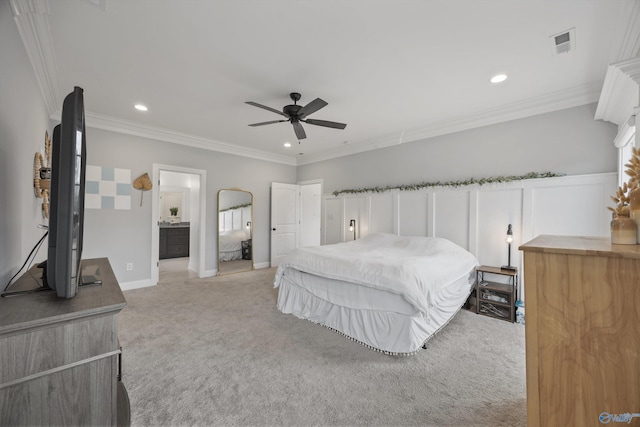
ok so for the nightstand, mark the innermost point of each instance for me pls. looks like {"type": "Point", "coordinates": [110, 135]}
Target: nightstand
{"type": "Point", "coordinates": [246, 249]}
{"type": "Point", "coordinates": [495, 299]}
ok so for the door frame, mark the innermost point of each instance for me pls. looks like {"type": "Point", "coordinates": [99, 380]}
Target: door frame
{"type": "Point", "coordinates": [155, 218]}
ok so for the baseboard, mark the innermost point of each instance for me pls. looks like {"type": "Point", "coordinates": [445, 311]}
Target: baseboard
{"type": "Point", "coordinates": [209, 273]}
{"type": "Point", "coordinates": [259, 265]}
{"type": "Point", "coordinates": [127, 286]}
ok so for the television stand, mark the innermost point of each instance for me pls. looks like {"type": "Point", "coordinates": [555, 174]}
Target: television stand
{"type": "Point", "coordinates": [73, 352]}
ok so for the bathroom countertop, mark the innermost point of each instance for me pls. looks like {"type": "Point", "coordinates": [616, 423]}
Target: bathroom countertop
{"type": "Point", "coordinates": [177, 225]}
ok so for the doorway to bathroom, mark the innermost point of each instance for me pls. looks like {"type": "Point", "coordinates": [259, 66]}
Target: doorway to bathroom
{"type": "Point", "coordinates": [177, 221]}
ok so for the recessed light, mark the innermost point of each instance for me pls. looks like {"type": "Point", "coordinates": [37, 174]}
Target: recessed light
{"type": "Point", "coordinates": [141, 107]}
{"type": "Point", "coordinates": [498, 78]}
{"type": "Point", "coordinates": [287, 144]}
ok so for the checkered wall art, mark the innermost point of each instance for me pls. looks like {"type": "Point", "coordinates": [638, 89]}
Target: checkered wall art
{"type": "Point", "coordinates": [107, 188]}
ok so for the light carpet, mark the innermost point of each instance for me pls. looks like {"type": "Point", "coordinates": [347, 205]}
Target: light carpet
{"type": "Point", "coordinates": [217, 352]}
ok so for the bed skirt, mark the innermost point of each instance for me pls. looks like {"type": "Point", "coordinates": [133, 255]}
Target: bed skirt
{"type": "Point", "coordinates": [230, 255]}
{"type": "Point", "coordinates": [389, 332]}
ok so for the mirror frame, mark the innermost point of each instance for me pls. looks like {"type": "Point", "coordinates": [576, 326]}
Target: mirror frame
{"type": "Point", "coordinates": [220, 192]}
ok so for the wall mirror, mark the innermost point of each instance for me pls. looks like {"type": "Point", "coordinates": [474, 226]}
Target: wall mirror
{"type": "Point", "coordinates": [235, 231]}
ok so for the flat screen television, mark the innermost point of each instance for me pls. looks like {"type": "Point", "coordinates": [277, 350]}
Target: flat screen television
{"type": "Point", "coordinates": [66, 215]}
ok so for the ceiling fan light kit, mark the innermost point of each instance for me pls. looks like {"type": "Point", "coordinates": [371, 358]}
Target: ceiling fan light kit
{"type": "Point", "coordinates": [295, 114]}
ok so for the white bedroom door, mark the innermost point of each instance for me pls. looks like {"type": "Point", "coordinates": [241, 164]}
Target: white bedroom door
{"type": "Point", "coordinates": [285, 224]}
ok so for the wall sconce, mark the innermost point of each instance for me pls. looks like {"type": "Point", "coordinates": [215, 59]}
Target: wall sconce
{"type": "Point", "coordinates": [352, 228]}
{"type": "Point", "coordinates": [249, 227]}
{"type": "Point", "coordinates": [509, 240]}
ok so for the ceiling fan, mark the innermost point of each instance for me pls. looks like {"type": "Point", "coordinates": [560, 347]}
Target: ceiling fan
{"type": "Point", "coordinates": [297, 113]}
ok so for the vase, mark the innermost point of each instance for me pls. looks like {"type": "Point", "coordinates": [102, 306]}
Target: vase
{"type": "Point", "coordinates": [623, 230]}
{"type": "Point", "coordinates": [634, 210]}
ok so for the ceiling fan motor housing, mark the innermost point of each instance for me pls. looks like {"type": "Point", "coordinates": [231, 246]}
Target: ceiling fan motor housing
{"type": "Point", "coordinates": [291, 110]}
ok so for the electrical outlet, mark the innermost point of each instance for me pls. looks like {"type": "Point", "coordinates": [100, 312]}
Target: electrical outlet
{"type": "Point", "coordinates": [129, 266]}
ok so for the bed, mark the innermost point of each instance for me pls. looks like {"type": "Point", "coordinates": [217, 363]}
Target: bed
{"type": "Point", "coordinates": [390, 293]}
{"type": "Point", "coordinates": [230, 242]}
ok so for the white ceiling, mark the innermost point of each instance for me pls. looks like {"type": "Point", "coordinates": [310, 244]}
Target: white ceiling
{"type": "Point", "coordinates": [393, 70]}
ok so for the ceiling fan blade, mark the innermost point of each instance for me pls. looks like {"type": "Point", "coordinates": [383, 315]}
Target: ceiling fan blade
{"type": "Point", "coordinates": [326, 123]}
{"type": "Point", "coordinates": [311, 107]}
{"type": "Point", "coordinates": [255, 104]}
{"type": "Point", "coordinates": [297, 127]}
{"type": "Point", "coordinates": [268, 123]}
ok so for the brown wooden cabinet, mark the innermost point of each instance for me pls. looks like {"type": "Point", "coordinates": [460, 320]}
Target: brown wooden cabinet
{"type": "Point", "coordinates": [59, 357]}
{"type": "Point", "coordinates": [583, 330]}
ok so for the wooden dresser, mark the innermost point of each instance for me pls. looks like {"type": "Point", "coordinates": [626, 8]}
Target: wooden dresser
{"type": "Point", "coordinates": [582, 299]}
{"type": "Point", "coordinates": [59, 357]}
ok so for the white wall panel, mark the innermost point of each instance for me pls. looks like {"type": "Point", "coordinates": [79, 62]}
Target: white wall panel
{"type": "Point", "coordinates": [451, 216]}
{"type": "Point", "coordinates": [570, 210]}
{"type": "Point", "coordinates": [496, 210]}
{"type": "Point", "coordinates": [382, 213]}
{"type": "Point", "coordinates": [332, 220]}
{"type": "Point", "coordinates": [413, 215]}
{"type": "Point", "coordinates": [356, 208]}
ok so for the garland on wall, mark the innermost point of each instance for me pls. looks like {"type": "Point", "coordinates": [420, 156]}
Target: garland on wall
{"type": "Point", "coordinates": [236, 207]}
{"type": "Point", "coordinates": [455, 184]}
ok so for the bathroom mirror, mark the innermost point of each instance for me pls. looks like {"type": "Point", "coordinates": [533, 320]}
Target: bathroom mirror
{"type": "Point", "coordinates": [235, 231]}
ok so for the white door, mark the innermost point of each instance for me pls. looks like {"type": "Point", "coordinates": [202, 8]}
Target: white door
{"type": "Point", "coordinates": [310, 213]}
{"type": "Point", "coordinates": [285, 202]}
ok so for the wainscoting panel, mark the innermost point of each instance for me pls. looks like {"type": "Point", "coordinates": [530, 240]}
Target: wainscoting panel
{"type": "Point", "coordinates": [451, 216]}
{"type": "Point", "coordinates": [476, 217]}
{"type": "Point", "coordinates": [332, 220]}
{"type": "Point", "coordinates": [554, 212]}
{"type": "Point", "coordinates": [413, 217]}
{"type": "Point", "coordinates": [383, 220]}
{"type": "Point", "coordinates": [356, 208]}
{"type": "Point", "coordinates": [496, 210]}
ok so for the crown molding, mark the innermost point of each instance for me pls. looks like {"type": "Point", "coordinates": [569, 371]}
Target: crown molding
{"type": "Point", "coordinates": [560, 100]}
{"type": "Point", "coordinates": [113, 124]}
{"type": "Point", "coordinates": [31, 17]}
{"type": "Point", "coordinates": [619, 92]}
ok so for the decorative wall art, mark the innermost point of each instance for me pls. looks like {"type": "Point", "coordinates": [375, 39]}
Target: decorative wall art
{"type": "Point", "coordinates": [142, 183]}
{"type": "Point", "coordinates": [107, 188]}
{"type": "Point", "coordinates": [42, 175]}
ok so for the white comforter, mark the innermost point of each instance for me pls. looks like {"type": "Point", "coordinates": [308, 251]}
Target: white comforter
{"type": "Point", "coordinates": [231, 240]}
{"type": "Point", "coordinates": [416, 268]}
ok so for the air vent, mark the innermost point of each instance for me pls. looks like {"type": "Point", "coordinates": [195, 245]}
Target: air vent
{"type": "Point", "coordinates": [563, 42]}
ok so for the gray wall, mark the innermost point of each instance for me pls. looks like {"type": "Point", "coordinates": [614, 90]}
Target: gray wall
{"type": "Point", "coordinates": [568, 141]}
{"type": "Point", "coordinates": [125, 235]}
{"type": "Point", "coordinates": [23, 122]}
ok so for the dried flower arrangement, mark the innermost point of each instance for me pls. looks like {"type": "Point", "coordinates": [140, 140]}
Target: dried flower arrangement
{"type": "Point", "coordinates": [622, 198]}
{"type": "Point", "coordinates": [633, 168]}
